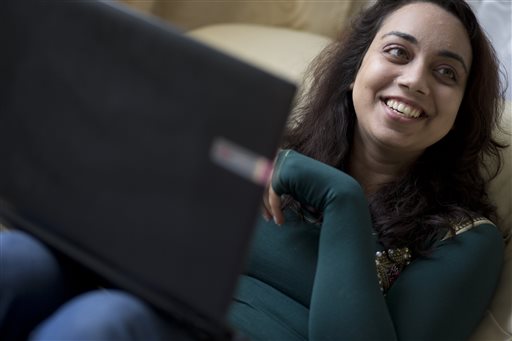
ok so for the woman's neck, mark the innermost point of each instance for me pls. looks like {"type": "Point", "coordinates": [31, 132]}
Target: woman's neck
{"type": "Point", "coordinates": [375, 165]}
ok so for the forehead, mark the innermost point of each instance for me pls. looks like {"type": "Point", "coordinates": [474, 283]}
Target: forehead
{"type": "Point", "coordinates": [433, 27]}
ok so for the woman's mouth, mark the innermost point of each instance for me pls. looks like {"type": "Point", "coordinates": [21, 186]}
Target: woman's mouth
{"type": "Point", "coordinates": [404, 109]}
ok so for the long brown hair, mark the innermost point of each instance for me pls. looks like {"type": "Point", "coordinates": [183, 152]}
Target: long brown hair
{"type": "Point", "coordinates": [447, 184]}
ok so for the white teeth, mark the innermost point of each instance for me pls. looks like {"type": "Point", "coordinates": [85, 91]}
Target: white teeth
{"type": "Point", "coordinates": [403, 109]}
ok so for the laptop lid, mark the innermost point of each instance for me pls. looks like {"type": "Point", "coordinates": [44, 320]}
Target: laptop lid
{"type": "Point", "coordinates": [107, 123]}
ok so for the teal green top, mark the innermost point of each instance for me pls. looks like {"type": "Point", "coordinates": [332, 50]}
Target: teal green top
{"type": "Point", "coordinates": [306, 281]}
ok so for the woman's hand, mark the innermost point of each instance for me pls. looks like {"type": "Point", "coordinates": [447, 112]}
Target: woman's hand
{"type": "Point", "coordinates": [272, 204]}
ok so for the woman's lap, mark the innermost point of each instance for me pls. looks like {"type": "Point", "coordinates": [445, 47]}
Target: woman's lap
{"type": "Point", "coordinates": [33, 283]}
{"type": "Point", "coordinates": [107, 314]}
{"type": "Point", "coordinates": [44, 292]}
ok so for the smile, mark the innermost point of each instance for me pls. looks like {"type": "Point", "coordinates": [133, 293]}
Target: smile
{"type": "Point", "coordinates": [403, 109]}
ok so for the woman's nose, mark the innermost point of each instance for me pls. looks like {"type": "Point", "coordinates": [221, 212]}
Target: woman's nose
{"type": "Point", "coordinates": [414, 77]}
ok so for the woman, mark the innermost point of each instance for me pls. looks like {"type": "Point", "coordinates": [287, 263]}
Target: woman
{"type": "Point", "coordinates": [398, 104]}
{"type": "Point", "coordinates": [399, 115]}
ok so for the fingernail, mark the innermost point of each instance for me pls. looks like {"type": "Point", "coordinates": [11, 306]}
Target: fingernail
{"type": "Point", "coordinates": [275, 221]}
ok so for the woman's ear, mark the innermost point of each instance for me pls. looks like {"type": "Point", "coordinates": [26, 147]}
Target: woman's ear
{"type": "Point", "coordinates": [351, 87]}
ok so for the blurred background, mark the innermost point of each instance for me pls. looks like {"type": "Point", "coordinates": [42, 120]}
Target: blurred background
{"type": "Point", "coordinates": [316, 16]}
{"type": "Point", "coordinates": [496, 18]}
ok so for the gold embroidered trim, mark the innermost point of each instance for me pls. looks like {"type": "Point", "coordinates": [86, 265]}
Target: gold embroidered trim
{"type": "Point", "coordinates": [390, 264]}
{"type": "Point", "coordinates": [459, 228]}
{"type": "Point", "coordinates": [467, 225]}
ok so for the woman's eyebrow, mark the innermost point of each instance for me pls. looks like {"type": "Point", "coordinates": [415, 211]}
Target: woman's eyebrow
{"type": "Point", "coordinates": [402, 35]}
{"type": "Point", "coordinates": [442, 53]}
{"type": "Point", "coordinates": [453, 55]}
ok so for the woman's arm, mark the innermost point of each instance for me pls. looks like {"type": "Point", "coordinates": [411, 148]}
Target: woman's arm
{"type": "Point", "coordinates": [346, 303]}
{"type": "Point", "coordinates": [444, 296]}
{"type": "Point", "coordinates": [435, 298]}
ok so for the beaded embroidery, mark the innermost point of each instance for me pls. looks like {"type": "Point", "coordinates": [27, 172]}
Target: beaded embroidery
{"type": "Point", "coordinates": [390, 264]}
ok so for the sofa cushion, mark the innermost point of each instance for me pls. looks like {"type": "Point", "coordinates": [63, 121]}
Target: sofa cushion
{"type": "Point", "coordinates": [281, 51]}
{"type": "Point", "coordinates": [497, 323]}
{"type": "Point", "coordinates": [320, 17]}
{"type": "Point", "coordinates": [500, 188]}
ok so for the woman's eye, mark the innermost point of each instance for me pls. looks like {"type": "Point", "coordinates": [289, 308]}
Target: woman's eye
{"type": "Point", "coordinates": [398, 53]}
{"type": "Point", "coordinates": [447, 73]}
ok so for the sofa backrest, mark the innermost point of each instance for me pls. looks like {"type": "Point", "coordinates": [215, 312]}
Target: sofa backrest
{"type": "Point", "coordinates": [500, 189]}
{"type": "Point", "coordinates": [319, 17]}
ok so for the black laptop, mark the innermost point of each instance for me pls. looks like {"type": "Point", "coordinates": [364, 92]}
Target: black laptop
{"type": "Point", "coordinates": [134, 149]}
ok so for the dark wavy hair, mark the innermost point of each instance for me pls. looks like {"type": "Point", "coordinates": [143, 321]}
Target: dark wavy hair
{"type": "Point", "coordinates": [447, 184]}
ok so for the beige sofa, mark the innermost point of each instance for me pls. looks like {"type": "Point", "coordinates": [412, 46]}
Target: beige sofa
{"type": "Point", "coordinates": [282, 37]}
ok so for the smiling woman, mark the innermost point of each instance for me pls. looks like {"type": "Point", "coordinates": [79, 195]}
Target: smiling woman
{"type": "Point", "coordinates": [398, 59]}
{"type": "Point", "coordinates": [409, 87]}
{"type": "Point", "coordinates": [405, 102]}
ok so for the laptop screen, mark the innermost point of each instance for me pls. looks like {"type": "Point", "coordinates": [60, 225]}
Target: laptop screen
{"type": "Point", "coordinates": [107, 123]}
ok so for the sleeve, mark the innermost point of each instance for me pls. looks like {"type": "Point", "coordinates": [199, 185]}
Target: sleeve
{"type": "Point", "coordinates": [444, 296]}
{"type": "Point", "coordinates": [433, 299]}
{"type": "Point", "coordinates": [346, 302]}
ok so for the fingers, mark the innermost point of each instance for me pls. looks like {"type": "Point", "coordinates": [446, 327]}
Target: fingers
{"type": "Point", "coordinates": [274, 201]}
{"type": "Point", "coordinates": [272, 206]}
{"type": "Point", "coordinates": [266, 211]}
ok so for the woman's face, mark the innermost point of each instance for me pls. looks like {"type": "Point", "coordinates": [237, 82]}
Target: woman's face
{"type": "Point", "coordinates": [411, 81]}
